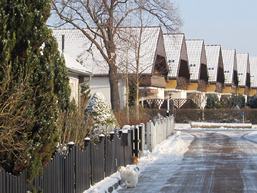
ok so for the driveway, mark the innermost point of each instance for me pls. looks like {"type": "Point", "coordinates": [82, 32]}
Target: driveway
{"type": "Point", "coordinates": [216, 161]}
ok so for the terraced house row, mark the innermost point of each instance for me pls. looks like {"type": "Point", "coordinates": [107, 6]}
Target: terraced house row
{"type": "Point", "coordinates": [169, 66]}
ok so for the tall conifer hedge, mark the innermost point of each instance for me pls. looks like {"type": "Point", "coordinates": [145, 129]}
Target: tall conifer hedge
{"type": "Point", "coordinates": [29, 55]}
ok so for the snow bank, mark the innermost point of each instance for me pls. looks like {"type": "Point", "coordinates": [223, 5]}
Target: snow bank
{"type": "Point", "coordinates": [218, 125]}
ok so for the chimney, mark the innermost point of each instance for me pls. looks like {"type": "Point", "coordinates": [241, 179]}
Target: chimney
{"type": "Point", "coordinates": [62, 43]}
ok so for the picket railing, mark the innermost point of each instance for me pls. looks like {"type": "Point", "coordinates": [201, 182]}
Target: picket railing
{"type": "Point", "coordinates": [78, 169]}
{"type": "Point", "coordinates": [158, 131]}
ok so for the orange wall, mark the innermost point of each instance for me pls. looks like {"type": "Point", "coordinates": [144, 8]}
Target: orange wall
{"type": "Point", "coordinates": [227, 89]}
{"type": "Point", "coordinates": [240, 90]}
{"type": "Point", "coordinates": [192, 86]}
{"type": "Point", "coordinates": [252, 92]}
{"type": "Point", "coordinates": [172, 84]}
{"type": "Point", "coordinates": [211, 88]}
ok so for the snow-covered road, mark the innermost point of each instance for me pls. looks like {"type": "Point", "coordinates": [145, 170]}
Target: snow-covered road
{"type": "Point", "coordinates": [216, 161]}
{"type": "Point", "coordinates": [197, 160]}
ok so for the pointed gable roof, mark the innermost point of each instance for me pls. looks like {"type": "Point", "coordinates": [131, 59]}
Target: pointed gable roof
{"type": "Point", "coordinates": [253, 69]}
{"type": "Point", "coordinates": [196, 57]}
{"type": "Point", "coordinates": [175, 47]}
{"type": "Point", "coordinates": [214, 61]}
{"type": "Point", "coordinates": [229, 64]}
{"type": "Point", "coordinates": [77, 45]}
{"type": "Point", "coordinates": [151, 45]}
{"type": "Point", "coordinates": [243, 67]}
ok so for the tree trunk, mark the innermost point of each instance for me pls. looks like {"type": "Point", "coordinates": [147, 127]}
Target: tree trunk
{"type": "Point", "coordinates": [137, 97]}
{"type": "Point", "coordinates": [113, 79]}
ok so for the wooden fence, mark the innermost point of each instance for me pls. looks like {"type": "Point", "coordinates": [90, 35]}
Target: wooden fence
{"type": "Point", "coordinates": [78, 169]}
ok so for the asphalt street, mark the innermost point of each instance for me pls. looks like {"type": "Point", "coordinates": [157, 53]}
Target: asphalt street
{"type": "Point", "coordinates": [216, 161]}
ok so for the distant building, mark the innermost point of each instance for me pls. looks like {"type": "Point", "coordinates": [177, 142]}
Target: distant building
{"type": "Point", "coordinates": [243, 67]}
{"type": "Point", "coordinates": [176, 52]}
{"type": "Point", "coordinates": [198, 71]}
{"type": "Point", "coordinates": [215, 68]}
{"type": "Point", "coordinates": [198, 65]}
{"type": "Point", "coordinates": [253, 70]}
{"type": "Point", "coordinates": [179, 74]}
{"type": "Point", "coordinates": [230, 71]}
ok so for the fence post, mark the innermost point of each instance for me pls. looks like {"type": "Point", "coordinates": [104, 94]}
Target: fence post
{"type": "Point", "coordinates": [86, 142]}
{"type": "Point", "coordinates": [150, 134]}
{"type": "Point", "coordinates": [136, 141]}
{"type": "Point", "coordinates": [102, 139]}
{"type": "Point", "coordinates": [142, 139]}
{"type": "Point", "coordinates": [112, 134]}
{"type": "Point", "coordinates": [71, 146]}
{"type": "Point", "coordinates": [102, 136]}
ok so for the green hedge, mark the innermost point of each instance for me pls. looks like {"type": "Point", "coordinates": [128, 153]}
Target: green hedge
{"type": "Point", "coordinates": [213, 115]}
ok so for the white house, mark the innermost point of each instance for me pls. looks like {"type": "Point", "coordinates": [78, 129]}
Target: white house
{"type": "Point", "coordinates": [77, 74]}
{"type": "Point", "coordinates": [243, 67]}
{"type": "Point", "coordinates": [215, 68]}
{"type": "Point", "coordinates": [151, 58]}
{"type": "Point", "coordinates": [230, 71]}
{"type": "Point", "coordinates": [198, 71]}
{"type": "Point", "coordinates": [253, 70]}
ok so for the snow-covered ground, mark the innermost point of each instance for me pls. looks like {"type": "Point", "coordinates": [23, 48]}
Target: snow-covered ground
{"type": "Point", "coordinates": [172, 149]}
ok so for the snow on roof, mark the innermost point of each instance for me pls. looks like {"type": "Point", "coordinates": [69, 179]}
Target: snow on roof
{"type": "Point", "coordinates": [229, 64]}
{"type": "Point", "coordinates": [213, 54]}
{"type": "Point", "coordinates": [253, 68]}
{"type": "Point", "coordinates": [76, 44]}
{"type": "Point", "coordinates": [196, 57]}
{"type": "Point", "coordinates": [127, 48]}
{"type": "Point", "coordinates": [173, 47]}
{"type": "Point", "coordinates": [74, 66]}
{"type": "Point", "coordinates": [78, 47]}
{"type": "Point", "coordinates": [243, 67]}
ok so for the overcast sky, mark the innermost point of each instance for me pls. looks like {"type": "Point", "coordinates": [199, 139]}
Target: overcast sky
{"type": "Point", "coordinates": [229, 23]}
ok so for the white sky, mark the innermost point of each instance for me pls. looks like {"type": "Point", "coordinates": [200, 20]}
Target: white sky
{"type": "Point", "coordinates": [229, 23]}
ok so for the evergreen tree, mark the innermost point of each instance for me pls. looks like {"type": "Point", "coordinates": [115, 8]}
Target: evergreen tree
{"type": "Point", "coordinates": [224, 102]}
{"type": "Point", "coordinates": [252, 101]}
{"type": "Point", "coordinates": [237, 101]}
{"type": "Point", "coordinates": [212, 102]}
{"type": "Point", "coordinates": [99, 112]}
{"type": "Point", "coordinates": [132, 93]}
{"type": "Point", "coordinates": [85, 94]}
{"type": "Point", "coordinates": [28, 51]}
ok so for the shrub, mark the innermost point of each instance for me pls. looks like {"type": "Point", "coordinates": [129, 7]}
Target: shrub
{"type": "Point", "coordinates": [99, 111]}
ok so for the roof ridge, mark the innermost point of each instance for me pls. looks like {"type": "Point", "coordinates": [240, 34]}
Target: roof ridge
{"type": "Point", "coordinates": [214, 45]}
{"type": "Point", "coordinates": [242, 53]}
{"type": "Point", "coordinates": [174, 33]}
{"type": "Point", "coordinates": [194, 39]}
{"type": "Point", "coordinates": [230, 49]}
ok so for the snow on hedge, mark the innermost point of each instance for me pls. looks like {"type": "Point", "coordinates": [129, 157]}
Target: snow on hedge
{"type": "Point", "coordinates": [99, 110]}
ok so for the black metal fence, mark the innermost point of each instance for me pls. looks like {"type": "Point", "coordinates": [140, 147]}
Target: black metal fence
{"type": "Point", "coordinates": [79, 168]}
{"type": "Point", "coordinates": [13, 184]}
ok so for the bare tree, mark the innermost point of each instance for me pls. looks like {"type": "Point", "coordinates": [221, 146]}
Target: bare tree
{"type": "Point", "coordinates": [141, 54]}
{"type": "Point", "coordinates": [15, 118]}
{"type": "Point", "coordinates": [101, 19]}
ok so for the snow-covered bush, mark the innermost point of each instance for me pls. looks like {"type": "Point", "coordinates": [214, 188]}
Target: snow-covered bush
{"type": "Point", "coordinates": [100, 112]}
